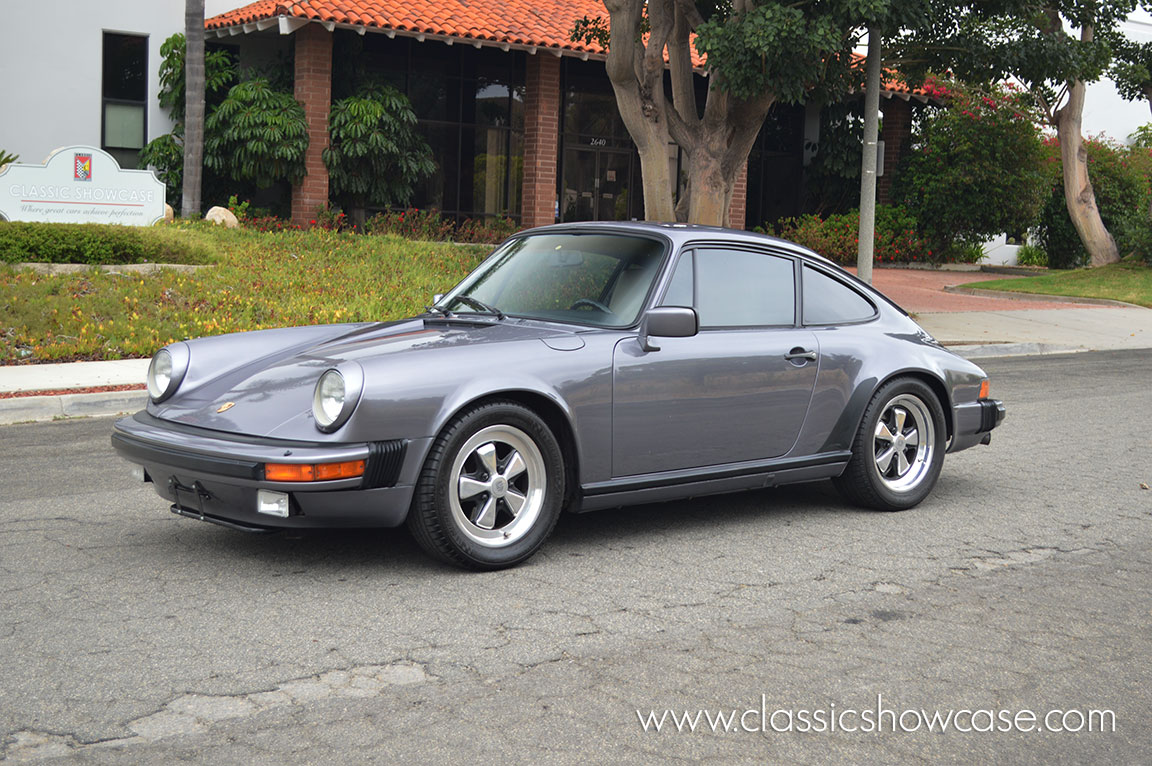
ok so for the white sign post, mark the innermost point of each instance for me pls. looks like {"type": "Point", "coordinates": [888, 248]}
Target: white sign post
{"type": "Point", "coordinates": [80, 184]}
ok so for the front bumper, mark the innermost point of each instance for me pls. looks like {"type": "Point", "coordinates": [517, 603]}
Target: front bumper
{"type": "Point", "coordinates": [972, 423]}
{"type": "Point", "coordinates": [215, 476]}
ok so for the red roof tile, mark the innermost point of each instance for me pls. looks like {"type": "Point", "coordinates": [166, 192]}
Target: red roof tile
{"type": "Point", "coordinates": [527, 23]}
{"type": "Point", "coordinates": [543, 23]}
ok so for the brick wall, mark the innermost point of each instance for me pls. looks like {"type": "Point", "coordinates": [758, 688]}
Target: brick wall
{"type": "Point", "coordinates": [314, 91]}
{"type": "Point", "coordinates": [896, 134]}
{"type": "Point", "coordinates": [737, 209]}
{"type": "Point", "coordinates": [541, 139]}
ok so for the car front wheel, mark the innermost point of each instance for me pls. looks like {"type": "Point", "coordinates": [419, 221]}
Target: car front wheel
{"type": "Point", "coordinates": [899, 450]}
{"type": "Point", "coordinates": [492, 488]}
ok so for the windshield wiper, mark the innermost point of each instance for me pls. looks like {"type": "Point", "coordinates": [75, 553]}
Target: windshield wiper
{"type": "Point", "coordinates": [480, 305]}
{"type": "Point", "coordinates": [437, 310]}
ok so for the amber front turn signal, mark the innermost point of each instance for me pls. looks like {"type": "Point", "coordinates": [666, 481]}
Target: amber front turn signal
{"type": "Point", "coordinates": [984, 388]}
{"type": "Point", "coordinates": [313, 472]}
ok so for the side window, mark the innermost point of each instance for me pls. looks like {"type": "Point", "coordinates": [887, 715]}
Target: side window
{"type": "Point", "coordinates": [828, 301]}
{"type": "Point", "coordinates": [680, 288]}
{"type": "Point", "coordinates": [739, 288]}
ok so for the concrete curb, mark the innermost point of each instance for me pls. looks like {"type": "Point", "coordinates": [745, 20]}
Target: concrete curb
{"type": "Point", "coordinates": [1037, 297]}
{"type": "Point", "coordinates": [990, 350]}
{"type": "Point", "coordinates": [23, 409]}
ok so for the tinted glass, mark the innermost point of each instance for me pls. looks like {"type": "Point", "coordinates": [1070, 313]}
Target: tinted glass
{"type": "Point", "coordinates": [680, 288]}
{"type": "Point", "coordinates": [598, 279]}
{"type": "Point", "coordinates": [828, 301]}
{"type": "Point", "coordinates": [125, 67]}
{"type": "Point", "coordinates": [737, 288]}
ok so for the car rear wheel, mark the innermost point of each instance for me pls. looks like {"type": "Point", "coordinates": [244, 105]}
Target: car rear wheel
{"type": "Point", "coordinates": [492, 488]}
{"type": "Point", "coordinates": [899, 450]}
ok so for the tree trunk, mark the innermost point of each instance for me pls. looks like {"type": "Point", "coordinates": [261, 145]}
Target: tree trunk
{"type": "Point", "coordinates": [637, 76]}
{"type": "Point", "coordinates": [711, 190]}
{"type": "Point", "coordinates": [1078, 193]}
{"type": "Point", "coordinates": [193, 106]}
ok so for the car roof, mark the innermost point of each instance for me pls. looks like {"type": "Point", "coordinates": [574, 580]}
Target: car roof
{"type": "Point", "coordinates": [683, 233]}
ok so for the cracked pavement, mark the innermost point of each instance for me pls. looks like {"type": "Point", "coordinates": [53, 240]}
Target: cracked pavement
{"type": "Point", "coordinates": [128, 635]}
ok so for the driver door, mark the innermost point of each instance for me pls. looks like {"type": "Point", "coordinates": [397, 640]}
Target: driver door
{"type": "Point", "coordinates": [739, 390]}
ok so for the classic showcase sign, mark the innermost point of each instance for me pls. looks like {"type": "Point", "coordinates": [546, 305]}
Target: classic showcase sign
{"type": "Point", "coordinates": [80, 184]}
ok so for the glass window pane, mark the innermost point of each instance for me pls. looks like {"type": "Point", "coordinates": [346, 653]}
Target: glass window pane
{"type": "Point", "coordinates": [491, 102]}
{"type": "Point", "coordinates": [124, 126]}
{"type": "Point", "coordinates": [125, 67]}
{"type": "Point", "coordinates": [736, 288]}
{"type": "Point", "coordinates": [828, 301]}
{"type": "Point", "coordinates": [680, 287]}
{"type": "Point", "coordinates": [488, 169]}
{"type": "Point", "coordinates": [439, 190]}
{"type": "Point", "coordinates": [515, 174]}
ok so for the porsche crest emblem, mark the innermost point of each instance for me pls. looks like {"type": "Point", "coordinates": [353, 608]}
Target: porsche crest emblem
{"type": "Point", "coordinates": [225, 407]}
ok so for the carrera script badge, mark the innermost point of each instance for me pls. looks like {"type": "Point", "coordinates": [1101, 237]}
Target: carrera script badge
{"type": "Point", "coordinates": [225, 407]}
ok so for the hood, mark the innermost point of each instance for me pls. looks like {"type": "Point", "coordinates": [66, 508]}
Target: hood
{"type": "Point", "coordinates": [252, 383]}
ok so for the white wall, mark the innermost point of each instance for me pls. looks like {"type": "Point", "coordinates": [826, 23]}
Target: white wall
{"type": "Point", "coordinates": [50, 67]}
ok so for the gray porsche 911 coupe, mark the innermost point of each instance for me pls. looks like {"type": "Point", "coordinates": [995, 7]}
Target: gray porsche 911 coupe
{"type": "Point", "coordinates": [579, 367]}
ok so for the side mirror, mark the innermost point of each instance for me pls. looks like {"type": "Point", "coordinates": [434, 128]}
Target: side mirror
{"type": "Point", "coordinates": [668, 322]}
{"type": "Point", "coordinates": [436, 298]}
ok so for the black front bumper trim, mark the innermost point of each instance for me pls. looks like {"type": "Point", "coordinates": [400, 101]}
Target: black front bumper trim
{"type": "Point", "coordinates": [991, 414]}
{"type": "Point", "coordinates": [191, 462]}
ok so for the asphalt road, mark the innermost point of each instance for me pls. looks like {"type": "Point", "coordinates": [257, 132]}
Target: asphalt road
{"type": "Point", "coordinates": [1024, 585]}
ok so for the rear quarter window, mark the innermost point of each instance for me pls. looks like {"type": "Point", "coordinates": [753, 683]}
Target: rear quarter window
{"type": "Point", "coordinates": [830, 301]}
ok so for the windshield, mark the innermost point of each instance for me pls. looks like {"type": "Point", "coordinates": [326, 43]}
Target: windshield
{"type": "Point", "coordinates": [598, 279]}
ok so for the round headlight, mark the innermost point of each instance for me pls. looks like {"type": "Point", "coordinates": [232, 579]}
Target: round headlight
{"type": "Point", "coordinates": [328, 401]}
{"type": "Point", "coordinates": [336, 396]}
{"type": "Point", "coordinates": [160, 374]}
{"type": "Point", "coordinates": [166, 371]}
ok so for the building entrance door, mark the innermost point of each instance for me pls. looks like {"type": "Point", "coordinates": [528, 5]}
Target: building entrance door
{"type": "Point", "coordinates": [597, 185]}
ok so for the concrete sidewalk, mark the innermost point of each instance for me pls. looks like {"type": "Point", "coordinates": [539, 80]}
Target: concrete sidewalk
{"type": "Point", "coordinates": [975, 326]}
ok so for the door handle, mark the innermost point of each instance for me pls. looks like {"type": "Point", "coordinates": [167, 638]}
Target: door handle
{"type": "Point", "coordinates": [800, 353]}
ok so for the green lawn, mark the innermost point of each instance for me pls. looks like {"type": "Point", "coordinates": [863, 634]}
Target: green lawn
{"type": "Point", "coordinates": [1128, 282]}
{"type": "Point", "coordinates": [261, 280]}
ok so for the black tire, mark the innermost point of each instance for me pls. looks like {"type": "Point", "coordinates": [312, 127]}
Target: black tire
{"type": "Point", "coordinates": [491, 489]}
{"type": "Point", "coordinates": [874, 477]}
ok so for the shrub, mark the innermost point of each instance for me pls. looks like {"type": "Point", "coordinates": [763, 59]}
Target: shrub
{"type": "Point", "coordinates": [95, 244]}
{"type": "Point", "coordinates": [976, 168]}
{"type": "Point", "coordinates": [6, 158]}
{"type": "Point", "coordinates": [1030, 255]}
{"type": "Point", "coordinates": [1120, 179]}
{"type": "Point", "coordinates": [257, 135]}
{"type": "Point", "coordinates": [1133, 235]}
{"type": "Point", "coordinates": [485, 230]}
{"type": "Point", "coordinates": [376, 154]}
{"type": "Point", "coordinates": [835, 237]}
{"type": "Point", "coordinates": [427, 225]}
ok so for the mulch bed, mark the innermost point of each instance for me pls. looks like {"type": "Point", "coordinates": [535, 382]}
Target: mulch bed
{"type": "Point", "coordinates": [84, 390]}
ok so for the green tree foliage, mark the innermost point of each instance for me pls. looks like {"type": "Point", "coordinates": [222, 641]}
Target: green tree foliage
{"type": "Point", "coordinates": [977, 166]}
{"type": "Point", "coordinates": [166, 152]}
{"type": "Point", "coordinates": [257, 135]}
{"type": "Point", "coordinates": [1131, 66]}
{"type": "Point", "coordinates": [376, 155]}
{"type": "Point", "coordinates": [219, 73]}
{"type": "Point", "coordinates": [6, 158]}
{"type": "Point", "coordinates": [1054, 48]}
{"type": "Point", "coordinates": [758, 52]}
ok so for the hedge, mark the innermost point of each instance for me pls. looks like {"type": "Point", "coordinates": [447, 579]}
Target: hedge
{"type": "Point", "coordinates": [97, 244]}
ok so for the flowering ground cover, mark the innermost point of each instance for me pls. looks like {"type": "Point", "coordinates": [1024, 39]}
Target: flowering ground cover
{"type": "Point", "coordinates": [260, 280]}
